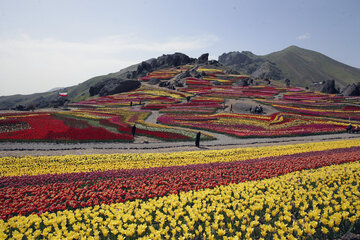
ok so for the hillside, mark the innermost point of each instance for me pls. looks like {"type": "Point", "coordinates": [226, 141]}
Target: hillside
{"type": "Point", "coordinates": [121, 81]}
{"type": "Point", "coordinates": [46, 99]}
{"type": "Point", "coordinates": [303, 67]}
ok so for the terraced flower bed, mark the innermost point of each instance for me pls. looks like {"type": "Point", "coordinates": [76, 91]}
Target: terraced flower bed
{"type": "Point", "coordinates": [45, 127]}
{"type": "Point", "coordinates": [200, 105]}
{"type": "Point", "coordinates": [249, 125]}
{"type": "Point", "coordinates": [294, 191]}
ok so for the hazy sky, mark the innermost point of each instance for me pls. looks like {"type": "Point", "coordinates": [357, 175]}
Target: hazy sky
{"type": "Point", "coordinates": [58, 43]}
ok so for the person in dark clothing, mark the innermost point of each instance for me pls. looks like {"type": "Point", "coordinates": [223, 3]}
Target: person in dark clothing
{"type": "Point", "coordinates": [188, 98]}
{"type": "Point", "coordinates": [197, 140]}
{"type": "Point", "coordinates": [131, 104]}
{"type": "Point", "coordinates": [133, 130]}
{"type": "Point", "coordinates": [349, 128]}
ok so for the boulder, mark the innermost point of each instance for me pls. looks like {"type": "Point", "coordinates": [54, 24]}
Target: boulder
{"type": "Point", "coordinates": [164, 84]}
{"type": "Point", "coordinates": [203, 58]}
{"type": "Point", "coordinates": [352, 90]}
{"type": "Point", "coordinates": [328, 86]}
{"type": "Point", "coordinates": [183, 75]}
{"type": "Point", "coordinates": [243, 82]}
{"type": "Point", "coordinates": [154, 81]}
{"type": "Point", "coordinates": [113, 86]}
{"type": "Point", "coordinates": [144, 68]}
{"type": "Point", "coordinates": [213, 62]}
{"type": "Point", "coordinates": [171, 60]}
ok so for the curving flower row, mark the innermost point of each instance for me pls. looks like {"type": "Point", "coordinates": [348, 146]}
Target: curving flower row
{"type": "Point", "coordinates": [248, 125]}
{"type": "Point", "coordinates": [15, 166]}
{"type": "Point", "coordinates": [76, 190]}
{"type": "Point", "coordinates": [322, 202]}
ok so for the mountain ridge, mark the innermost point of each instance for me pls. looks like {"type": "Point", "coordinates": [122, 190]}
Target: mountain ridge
{"type": "Point", "coordinates": [302, 66]}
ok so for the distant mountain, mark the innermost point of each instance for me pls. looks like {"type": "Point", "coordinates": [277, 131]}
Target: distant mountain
{"type": "Point", "coordinates": [303, 67]}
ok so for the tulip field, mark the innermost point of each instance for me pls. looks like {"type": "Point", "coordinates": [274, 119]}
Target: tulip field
{"type": "Point", "coordinates": [201, 104]}
{"type": "Point", "coordinates": [291, 191]}
{"type": "Point", "coordinates": [300, 191]}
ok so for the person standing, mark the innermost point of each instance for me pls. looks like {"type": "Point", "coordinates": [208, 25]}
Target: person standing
{"type": "Point", "coordinates": [231, 110]}
{"type": "Point", "coordinates": [197, 139]}
{"type": "Point", "coordinates": [133, 130]}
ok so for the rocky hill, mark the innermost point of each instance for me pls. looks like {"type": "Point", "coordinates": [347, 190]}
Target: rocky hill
{"type": "Point", "coordinates": [304, 68]}
{"type": "Point", "coordinates": [121, 81]}
{"type": "Point", "coordinates": [292, 66]}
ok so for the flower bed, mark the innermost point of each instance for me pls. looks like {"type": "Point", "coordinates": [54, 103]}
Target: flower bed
{"type": "Point", "coordinates": [248, 125]}
{"type": "Point", "coordinates": [45, 127]}
{"type": "Point", "coordinates": [292, 192]}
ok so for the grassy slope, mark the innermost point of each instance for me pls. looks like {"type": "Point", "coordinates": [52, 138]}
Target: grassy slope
{"type": "Point", "coordinates": [304, 66]}
{"type": "Point", "coordinates": [75, 93]}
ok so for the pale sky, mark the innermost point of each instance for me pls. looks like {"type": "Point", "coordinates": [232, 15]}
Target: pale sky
{"type": "Point", "coordinates": [59, 43]}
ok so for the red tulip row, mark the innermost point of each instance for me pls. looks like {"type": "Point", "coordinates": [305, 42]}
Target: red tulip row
{"type": "Point", "coordinates": [37, 194]}
{"type": "Point", "coordinates": [299, 96]}
{"type": "Point", "coordinates": [46, 127]}
{"type": "Point", "coordinates": [344, 114]}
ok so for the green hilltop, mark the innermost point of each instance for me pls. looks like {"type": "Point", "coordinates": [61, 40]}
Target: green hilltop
{"type": "Point", "coordinates": [303, 67]}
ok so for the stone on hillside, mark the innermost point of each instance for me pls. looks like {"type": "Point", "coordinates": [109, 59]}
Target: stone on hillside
{"type": "Point", "coordinates": [203, 58]}
{"type": "Point", "coordinates": [183, 75]}
{"type": "Point", "coordinates": [328, 86]}
{"type": "Point", "coordinates": [164, 84]}
{"type": "Point", "coordinates": [352, 90]}
{"type": "Point", "coordinates": [113, 86]}
{"type": "Point", "coordinates": [172, 60]}
{"type": "Point", "coordinates": [243, 82]}
{"type": "Point", "coordinates": [213, 62]}
{"type": "Point", "coordinates": [144, 68]}
{"type": "Point", "coordinates": [154, 81]}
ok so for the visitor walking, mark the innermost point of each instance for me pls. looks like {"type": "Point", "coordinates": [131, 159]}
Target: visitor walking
{"type": "Point", "coordinates": [133, 130]}
{"type": "Point", "coordinates": [197, 139]}
{"type": "Point", "coordinates": [349, 128]}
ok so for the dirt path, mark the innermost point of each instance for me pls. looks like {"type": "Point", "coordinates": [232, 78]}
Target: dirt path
{"type": "Point", "coordinates": [36, 149]}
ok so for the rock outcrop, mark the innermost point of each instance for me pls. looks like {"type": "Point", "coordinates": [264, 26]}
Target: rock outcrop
{"type": "Point", "coordinates": [267, 70]}
{"type": "Point", "coordinates": [203, 58]}
{"type": "Point", "coordinates": [247, 62]}
{"type": "Point", "coordinates": [164, 61]}
{"type": "Point", "coordinates": [352, 90]}
{"type": "Point", "coordinates": [328, 86]}
{"type": "Point", "coordinates": [113, 86]}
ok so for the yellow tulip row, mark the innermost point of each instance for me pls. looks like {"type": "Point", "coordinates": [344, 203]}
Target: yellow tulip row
{"type": "Point", "coordinates": [278, 122]}
{"type": "Point", "coordinates": [209, 70]}
{"type": "Point", "coordinates": [35, 165]}
{"type": "Point", "coordinates": [169, 93]}
{"type": "Point", "coordinates": [320, 203]}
